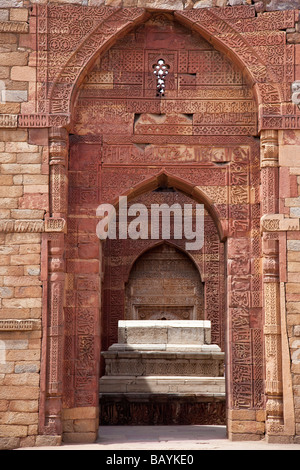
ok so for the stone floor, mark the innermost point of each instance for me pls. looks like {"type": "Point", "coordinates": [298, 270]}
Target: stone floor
{"type": "Point", "coordinates": [168, 438]}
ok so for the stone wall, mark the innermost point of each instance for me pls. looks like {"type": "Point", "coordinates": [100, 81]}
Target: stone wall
{"type": "Point", "coordinates": [24, 207]}
{"type": "Point", "coordinates": [23, 204]}
{"type": "Point", "coordinates": [290, 198]}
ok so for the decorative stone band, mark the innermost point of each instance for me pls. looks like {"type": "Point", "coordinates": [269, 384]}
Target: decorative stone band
{"type": "Point", "coordinates": [14, 27]}
{"type": "Point", "coordinates": [55, 224]}
{"type": "Point", "coordinates": [63, 120]}
{"type": "Point", "coordinates": [33, 226]}
{"type": "Point", "coordinates": [272, 330]}
{"type": "Point", "coordinates": [280, 122]}
{"type": "Point", "coordinates": [19, 325]}
{"type": "Point", "coordinates": [278, 223]}
{"type": "Point", "coordinates": [8, 120]}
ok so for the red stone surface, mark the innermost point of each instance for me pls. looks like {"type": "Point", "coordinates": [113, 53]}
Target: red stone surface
{"type": "Point", "coordinates": [200, 139]}
{"type": "Point", "coordinates": [127, 141]}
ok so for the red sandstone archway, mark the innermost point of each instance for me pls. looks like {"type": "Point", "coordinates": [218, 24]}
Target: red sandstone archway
{"type": "Point", "coordinates": [176, 293]}
{"type": "Point", "coordinates": [125, 252]}
{"type": "Point", "coordinates": [244, 301]}
{"type": "Point", "coordinates": [212, 25]}
{"type": "Point", "coordinates": [166, 179]}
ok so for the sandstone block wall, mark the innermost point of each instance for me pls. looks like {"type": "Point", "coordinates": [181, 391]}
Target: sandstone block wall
{"type": "Point", "coordinates": [23, 204]}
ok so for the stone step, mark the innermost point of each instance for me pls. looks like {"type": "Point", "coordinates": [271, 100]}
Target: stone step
{"type": "Point", "coordinates": [141, 365]}
{"type": "Point", "coordinates": [164, 331]}
{"type": "Point", "coordinates": [200, 386]}
{"type": "Point", "coordinates": [164, 347]}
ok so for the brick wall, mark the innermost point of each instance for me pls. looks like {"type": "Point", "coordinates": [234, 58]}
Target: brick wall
{"type": "Point", "coordinates": [23, 199]}
{"type": "Point", "coordinates": [23, 203]}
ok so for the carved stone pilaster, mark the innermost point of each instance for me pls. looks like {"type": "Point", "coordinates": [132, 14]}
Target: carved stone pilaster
{"type": "Point", "coordinates": [270, 251]}
{"type": "Point", "coordinates": [272, 332]}
{"type": "Point", "coordinates": [53, 314]}
{"type": "Point", "coordinates": [58, 156]}
{"type": "Point", "coordinates": [269, 171]}
{"type": "Point", "coordinates": [55, 335]}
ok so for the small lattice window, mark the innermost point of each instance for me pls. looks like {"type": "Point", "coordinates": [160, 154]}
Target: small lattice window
{"type": "Point", "coordinates": [161, 72]}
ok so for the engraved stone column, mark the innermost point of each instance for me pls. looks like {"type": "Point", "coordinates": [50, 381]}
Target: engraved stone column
{"type": "Point", "coordinates": [58, 154]}
{"type": "Point", "coordinates": [53, 318]}
{"type": "Point", "coordinates": [269, 172]}
{"type": "Point", "coordinates": [272, 332]}
{"type": "Point", "coordinates": [270, 248]}
{"type": "Point", "coordinates": [55, 330]}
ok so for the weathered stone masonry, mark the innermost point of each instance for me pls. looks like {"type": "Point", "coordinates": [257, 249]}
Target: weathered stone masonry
{"type": "Point", "coordinates": [233, 146]}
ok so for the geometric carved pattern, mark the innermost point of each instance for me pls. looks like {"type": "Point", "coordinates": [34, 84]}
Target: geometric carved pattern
{"type": "Point", "coordinates": [19, 325]}
{"type": "Point", "coordinates": [62, 55]}
{"type": "Point", "coordinates": [270, 66]}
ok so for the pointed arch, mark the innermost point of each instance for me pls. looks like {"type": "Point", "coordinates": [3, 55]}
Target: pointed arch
{"type": "Point", "coordinates": [163, 273]}
{"type": "Point", "coordinates": [166, 179]}
{"type": "Point", "coordinates": [156, 245]}
{"type": "Point", "coordinates": [212, 24]}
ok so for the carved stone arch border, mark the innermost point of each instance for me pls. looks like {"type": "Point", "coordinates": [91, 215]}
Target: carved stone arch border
{"type": "Point", "coordinates": [59, 75]}
{"type": "Point", "coordinates": [209, 274]}
{"type": "Point", "coordinates": [116, 22]}
{"type": "Point", "coordinates": [213, 28]}
{"type": "Point", "coordinates": [216, 29]}
{"type": "Point", "coordinates": [194, 191]}
{"type": "Point", "coordinates": [242, 36]}
{"type": "Point", "coordinates": [157, 244]}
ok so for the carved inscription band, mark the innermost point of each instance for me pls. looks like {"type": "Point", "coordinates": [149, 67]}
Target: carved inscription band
{"type": "Point", "coordinates": [32, 226]}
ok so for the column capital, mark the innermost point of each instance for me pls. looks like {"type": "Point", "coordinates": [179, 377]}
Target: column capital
{"type": "Point", "coordinates": [269, 148]}
{"type": "Point", "coordinates": [58, 146]}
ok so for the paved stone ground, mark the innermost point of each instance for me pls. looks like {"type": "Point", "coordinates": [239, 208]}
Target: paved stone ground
{"type": "Point", "coordinates": [163, 438]}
